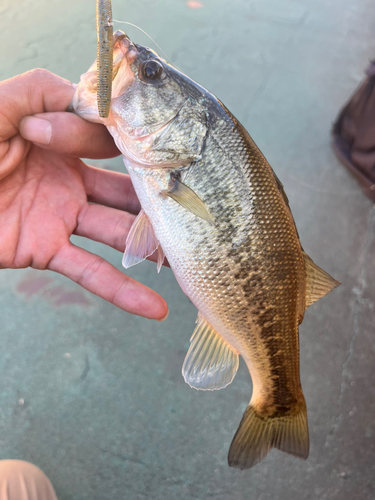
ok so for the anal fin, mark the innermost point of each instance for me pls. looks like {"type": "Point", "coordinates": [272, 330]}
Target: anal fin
{"type": "Point", "coordinates": [318, 282]}
{"type": "Point", "coordinates": [210, 363]}
{"type": "Point", "coordinates": [141, 242]}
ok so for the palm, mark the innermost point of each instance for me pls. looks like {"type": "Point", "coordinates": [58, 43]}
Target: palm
{"type": "Point", "coordinates": [44, 197]}
{"type": "Point", "coordinates": [47, 194]}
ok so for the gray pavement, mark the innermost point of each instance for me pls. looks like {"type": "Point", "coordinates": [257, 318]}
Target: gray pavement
{"type": "Point", "coordinates": [95, 396]}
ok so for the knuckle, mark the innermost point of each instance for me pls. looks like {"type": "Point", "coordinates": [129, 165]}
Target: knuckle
{"type": "Point", "coordinates": [81, 219]}
{"type": "Point", "coordinates": [116, 294]}
{"type": "Point", "coordinates": [89, 271]}
{"type": "Point", "coordinates": [38, 74]}
{"type": "Point", "coordinates": [120, 232]}
{"type": "Point", "coordinates": [91, 176]}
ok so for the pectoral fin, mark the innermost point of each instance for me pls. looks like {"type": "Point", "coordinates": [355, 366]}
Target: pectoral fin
{"type": "Point", "coordinates": [185, 196]}
{"type": "Point", "coordinates": [210, 362]}
{"type": "Point", "coordinates": [141, 242]}
{"type": "Point", "coordinates": [318, 282]}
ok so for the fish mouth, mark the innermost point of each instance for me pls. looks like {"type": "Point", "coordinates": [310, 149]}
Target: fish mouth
{"type": "Point", "coordinates": [123, 49]}
{"type": "Point", "coordinates": [84, 102]}
{"type": "Point", "coordinates": [125, 53]}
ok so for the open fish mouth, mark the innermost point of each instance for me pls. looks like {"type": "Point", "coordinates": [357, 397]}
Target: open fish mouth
{"type": "Point", "coordinates": [85, 100]}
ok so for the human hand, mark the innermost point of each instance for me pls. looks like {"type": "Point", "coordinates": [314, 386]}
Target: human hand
{"type": "Point", "coordinates": [47, 193]}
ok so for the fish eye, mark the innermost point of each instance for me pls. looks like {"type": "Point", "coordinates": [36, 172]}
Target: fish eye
{"type": "Point", "coordinates": [151, 70]}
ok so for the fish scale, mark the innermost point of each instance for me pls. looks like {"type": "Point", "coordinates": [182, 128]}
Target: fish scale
{"type": "Point", "coordinates": [213, 204]}
{"type": "Point", "coordinates": [193, 268]}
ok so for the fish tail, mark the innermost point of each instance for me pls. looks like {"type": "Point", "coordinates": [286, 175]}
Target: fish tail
{"type": "Point", "coordinates": [257, 434]}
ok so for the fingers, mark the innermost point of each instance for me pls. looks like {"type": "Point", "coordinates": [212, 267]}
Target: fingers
{"type": "Point", "coordinates": [33, 92]}
{"type": "Point", "coordinates": [40, 91]}
{"type": "Point", "coordinates": [68, 134]}
{"type": "Point", "coordinates": [99, 277]}
{"type": "Point", "coordinates": [108, 226]}
{"type": "Point", "coordinates": [110, 188]}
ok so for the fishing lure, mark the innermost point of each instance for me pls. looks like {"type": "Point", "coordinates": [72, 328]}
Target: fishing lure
{"type": "Point", "coordinates": [104, 47]}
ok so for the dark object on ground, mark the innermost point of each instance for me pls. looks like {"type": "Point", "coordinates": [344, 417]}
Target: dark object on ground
{"type": "Point", "coordinates": [354, 134]}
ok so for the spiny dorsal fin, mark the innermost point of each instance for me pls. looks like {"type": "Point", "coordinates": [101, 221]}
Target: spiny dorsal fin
{"type": "Point", "coordinates": [185, 196]}
{"type": "Point", "coordinates": [280, 187]}
{"type": "Point", "coordinates": [141, 242]}
{"type": "Point", "coordinates": [210, 362]}
{"type": "Point", "coordinates": [318, 282]}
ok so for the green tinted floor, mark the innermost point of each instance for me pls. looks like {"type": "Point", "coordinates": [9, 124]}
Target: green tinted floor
{"type": "Point", "coordinates": [94, 396]}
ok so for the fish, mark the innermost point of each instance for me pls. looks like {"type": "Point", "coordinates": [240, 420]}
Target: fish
{"type": "Point", "coordinates": [213, 206]}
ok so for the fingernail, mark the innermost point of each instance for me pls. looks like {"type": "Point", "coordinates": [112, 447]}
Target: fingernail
{"type": "Point", "coordinates": [165, 317]}
{"type": "Point", "coordinates": [36, 130]}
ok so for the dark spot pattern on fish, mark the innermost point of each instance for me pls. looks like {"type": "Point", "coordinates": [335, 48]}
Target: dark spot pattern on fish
{"type": "Point", "coordinates": [259, 253]}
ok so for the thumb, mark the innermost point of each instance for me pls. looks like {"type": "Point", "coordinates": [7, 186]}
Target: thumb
{"type": "Point", "coordinates": [68, 134]}
{"type": "Point", "coordinates": [33, 92]}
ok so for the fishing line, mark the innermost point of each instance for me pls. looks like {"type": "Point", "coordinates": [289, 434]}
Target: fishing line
{"type": "Point", "coordinates": [140, 29]}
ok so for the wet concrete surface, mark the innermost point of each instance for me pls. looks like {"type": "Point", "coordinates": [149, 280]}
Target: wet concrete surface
{"type": "Point", "coordinates": [93, 395]}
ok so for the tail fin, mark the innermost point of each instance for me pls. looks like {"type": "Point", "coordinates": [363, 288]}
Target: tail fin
{"type": "Point", "coordinates": [256, 435]}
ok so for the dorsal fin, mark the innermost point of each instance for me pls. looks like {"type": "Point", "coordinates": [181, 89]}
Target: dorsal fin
{"type": "Point", "coordinates": [280, 187]}
{"type": "Point", "coordinates": [318, 282]}
{"type": "Point", "coordinates": [210, 362]}
{"type": "Point", "coordinates": [141, 242]}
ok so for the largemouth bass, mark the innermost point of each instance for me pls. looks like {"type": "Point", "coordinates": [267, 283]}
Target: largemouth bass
{"type": "Point", "coordinates": [213, 206]}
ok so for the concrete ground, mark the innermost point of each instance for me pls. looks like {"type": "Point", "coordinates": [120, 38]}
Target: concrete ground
{"type": "Point", "coordinates": [94, 396]}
